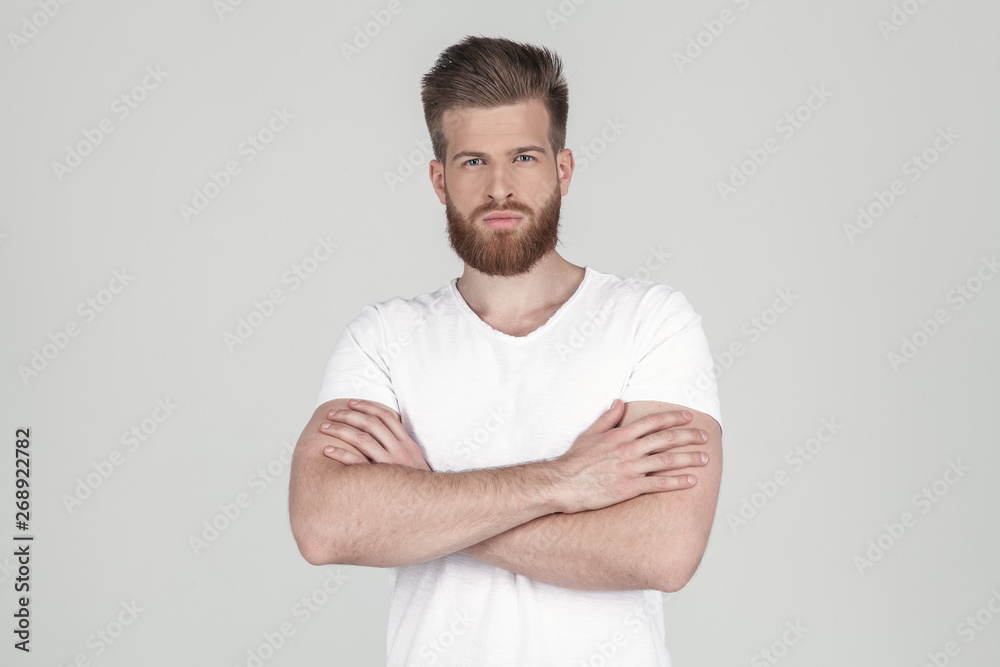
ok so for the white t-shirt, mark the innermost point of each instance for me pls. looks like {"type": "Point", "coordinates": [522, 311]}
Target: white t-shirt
{"type": "Point", "coordinates": [473, 397]}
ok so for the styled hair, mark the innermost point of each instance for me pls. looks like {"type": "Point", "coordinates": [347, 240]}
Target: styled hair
{"type": "Point", "coordinates": [487, 72]}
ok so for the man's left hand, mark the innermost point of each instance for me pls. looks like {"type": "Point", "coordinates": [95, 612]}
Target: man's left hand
{"type": "Point", "coordinates": [376, 432]}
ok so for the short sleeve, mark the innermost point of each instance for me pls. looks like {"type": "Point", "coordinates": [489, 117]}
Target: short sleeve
{"type": "Point", "coordinates": [673, 363]}
{"type": "Point", "coordinates": [358, 365]}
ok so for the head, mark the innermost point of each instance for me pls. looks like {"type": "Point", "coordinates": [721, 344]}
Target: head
{"type": "Point", "coordinates": [487, 72]}
{"type": "Point", "coordinates": [496, 111]}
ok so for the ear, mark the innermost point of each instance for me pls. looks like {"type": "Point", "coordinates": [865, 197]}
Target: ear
{"type": "Point", "coordinates": [564, 169]}
{"type": "Point", "coordinates": [436, 172]}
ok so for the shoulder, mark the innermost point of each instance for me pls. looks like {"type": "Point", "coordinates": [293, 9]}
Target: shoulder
{"type": "Point", "coordinates": [400, 311]}
{"type": "Point", "coordinates": [646, 297]}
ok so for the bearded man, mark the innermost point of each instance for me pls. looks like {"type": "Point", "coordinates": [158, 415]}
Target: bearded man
{"type": "Point", "coordinates": [521, 520]}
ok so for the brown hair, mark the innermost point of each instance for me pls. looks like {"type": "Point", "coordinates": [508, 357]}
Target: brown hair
{"type": "Point", "coordinates": [486, 72]}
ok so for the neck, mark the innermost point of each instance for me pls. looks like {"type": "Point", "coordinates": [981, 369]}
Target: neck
{"type": "Point", "coordinates": [550, 282]}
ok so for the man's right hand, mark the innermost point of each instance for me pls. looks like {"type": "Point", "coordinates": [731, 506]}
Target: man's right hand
{"type": "Point", "coordinates": [607, 464]}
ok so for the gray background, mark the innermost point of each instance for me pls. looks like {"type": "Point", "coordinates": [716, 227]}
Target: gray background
{"type": "Point", "coordinates": [650, 191]}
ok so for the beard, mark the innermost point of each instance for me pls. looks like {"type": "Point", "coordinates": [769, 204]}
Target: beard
{"type": "Point", "coordinates": [504, 252]}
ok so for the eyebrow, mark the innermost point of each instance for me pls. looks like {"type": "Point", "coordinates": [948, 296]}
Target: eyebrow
{"type": "Point", "coordinates": [511, 152]}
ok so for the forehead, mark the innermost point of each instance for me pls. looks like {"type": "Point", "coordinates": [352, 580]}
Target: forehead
{"type": "Point", "coordinates": [476, 129]}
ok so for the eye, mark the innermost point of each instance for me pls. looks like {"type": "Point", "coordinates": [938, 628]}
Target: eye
{"type": "Point", "coordinates": [469, 162]}
{"type": "Point", "coordinates": [530, 157]}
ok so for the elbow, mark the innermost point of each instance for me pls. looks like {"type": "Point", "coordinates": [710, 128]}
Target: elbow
{"type": "Point", "coordinates": [672, 583]}
{"type": "Point", "coordinates": [310, 548]}
{"type": "Point", "coordinates": [314, 548]}
{"type": "Point", "coordinates": [315, 529]}
{"type": "Point", "coordinates": [673, 576]}
{"type": "Point", "coordinates": [313, 554]}
{"type": "Point", "coordinates": [316, 552]}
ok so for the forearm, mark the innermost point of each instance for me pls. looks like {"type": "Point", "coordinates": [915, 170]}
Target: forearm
{"type": "Point", "coordinates": [605, 549]}
{"type": "Point", "coordinates": [654, 541]}
{"type": "Point", "coordinates": [386, 515]}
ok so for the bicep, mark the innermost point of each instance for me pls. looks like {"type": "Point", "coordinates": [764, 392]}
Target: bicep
{"type": "Point", "coordinates": [693, 506]}
{"type": "Point", "coordinates": [675, 525]}
{"type": "Point", "coordinates": [309, 448]}
{"type": "Point", "coordinates": [309, 464]}
{"type": "Point", "coordinates": [311, 470]}
{"type": "Point", "coordinates": [699, 420]}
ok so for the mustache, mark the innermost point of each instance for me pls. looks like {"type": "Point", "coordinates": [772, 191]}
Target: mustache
{"type": "Point", "coordinates": [516, 207]}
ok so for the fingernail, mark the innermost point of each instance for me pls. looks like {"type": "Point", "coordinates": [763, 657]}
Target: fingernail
{"type": "Point", "coordinates": [687, 415]}
{"type": "Point", "coordinates": [704, 457]}
{"type": "Point", "coordinates": [353, 401]}
{"type": "Point", "coordinates": [329, 450]}
{"type": "Point", "coordinates": [325, 425]}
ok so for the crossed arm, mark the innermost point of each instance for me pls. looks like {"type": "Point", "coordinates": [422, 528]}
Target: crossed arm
{"type": "Point", "coordinates": [652, 541]}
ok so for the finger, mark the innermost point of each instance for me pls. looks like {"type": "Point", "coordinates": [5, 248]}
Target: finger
{"type": "Point", "coordinates": [669, 461]}
{"type": "Point", "coordinates": [671, 438]}
{"type": "Point", "coordinates": [361, 440]}
{"type": "Point", "coordinates": [366, 423]}
{"type": "Point", "coordinates": [653, 484]}
{"type": "Point", "coordinates": [387, 416]}
{"type": "Point", "coordinates": [655, 421]}
{"type": "Point", "coordinates": [371, 418]}
{"type": "Point", "coordinates": [344, 456]}
{"type": "Point", "coordinates": [607, 421]}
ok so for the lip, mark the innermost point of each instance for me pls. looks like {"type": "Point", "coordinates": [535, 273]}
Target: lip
{"type": "Point", "coordinates": [502, 220]}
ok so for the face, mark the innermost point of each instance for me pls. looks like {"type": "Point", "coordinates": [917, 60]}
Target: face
{"type": "Point", "coordinates": [501, 186]}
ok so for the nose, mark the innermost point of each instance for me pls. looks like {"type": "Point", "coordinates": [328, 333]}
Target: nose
{"type": "Point", "coordinates": [500, 187]}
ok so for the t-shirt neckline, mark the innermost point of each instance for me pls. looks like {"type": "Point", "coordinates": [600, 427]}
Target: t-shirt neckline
{"type": "Point", "coordinates": [537, 333]}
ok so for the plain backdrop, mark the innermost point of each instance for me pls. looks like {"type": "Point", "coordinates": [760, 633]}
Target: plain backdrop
{"type": "Point", "coordinates": [819, 179]}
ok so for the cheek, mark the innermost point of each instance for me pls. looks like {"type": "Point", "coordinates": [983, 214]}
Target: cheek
{"type": "Point", "coordinates": [541, 195]}
{"type": "Point", "coordinates": [463, 187]}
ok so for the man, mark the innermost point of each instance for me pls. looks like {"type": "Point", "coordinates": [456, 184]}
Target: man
{"type": "Point", "coordinates": [521, 521]}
